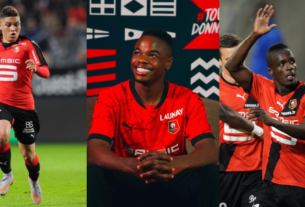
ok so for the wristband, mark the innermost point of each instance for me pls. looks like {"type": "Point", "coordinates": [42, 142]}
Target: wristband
{"type": "Point", "coordinates": [258, 130]}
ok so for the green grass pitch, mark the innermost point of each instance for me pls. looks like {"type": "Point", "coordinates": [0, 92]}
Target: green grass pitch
{"type": "Point", "coordinates": [62, 177]}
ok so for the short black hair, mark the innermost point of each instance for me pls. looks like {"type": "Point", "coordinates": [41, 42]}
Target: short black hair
{"type": "Point", "coordinates": [9, 11]}
{"type": "Point", "coordinates": [228, 40]}
{"type": "Point", "coordinates": [161, 34]}
{"type": "Point", "coordinates": [273, 48]}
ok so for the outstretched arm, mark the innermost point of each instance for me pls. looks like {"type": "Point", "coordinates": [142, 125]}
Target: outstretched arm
{"type": "Point", "coordinates": [234, 119]}
{"type": "Point", "coordinates": [235, 66]}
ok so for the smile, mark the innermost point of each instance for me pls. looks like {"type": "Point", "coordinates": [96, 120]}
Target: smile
{"type": "Point", "coordinates": [142, 71]}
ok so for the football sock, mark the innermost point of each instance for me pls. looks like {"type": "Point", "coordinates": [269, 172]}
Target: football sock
{"type": "Point", "coordinates": [33, 168]}
{"type": "Point", "coordinates": [5, 158]}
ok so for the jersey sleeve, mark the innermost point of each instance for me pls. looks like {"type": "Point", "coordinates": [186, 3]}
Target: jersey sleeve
{"type": "Point", "coordinates": [37, 56]}
{"type": "Point", "coordinates": [197, 125]}
{"type": "Point", "coordinates": [258, 84]}
{"type": "Point", "coordinates": [104, 119]}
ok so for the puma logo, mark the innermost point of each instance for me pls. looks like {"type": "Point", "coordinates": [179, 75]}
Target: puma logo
{"type": "Point", "coordinates": [243, 97]}
{"type": "Point", "coordinates": [282, 105]}
{"type": "Point", "coordinates": [124, 124]}
{"type": "Point", "coordinates": [3, 163]}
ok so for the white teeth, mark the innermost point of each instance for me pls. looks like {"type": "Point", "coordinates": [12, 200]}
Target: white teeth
{"type": "Point", "coordinates": [142, 70]}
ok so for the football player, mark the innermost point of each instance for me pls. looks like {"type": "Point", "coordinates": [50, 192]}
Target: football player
{"type": "Point", "coordinates": [282, 111]}
{"type": "Point", "coordinates": [136, 145]}
{"type": "Point", "coordinates": [20, 58]}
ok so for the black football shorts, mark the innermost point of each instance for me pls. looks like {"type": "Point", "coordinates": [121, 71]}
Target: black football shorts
{"type": "Point", "coordinates": [239, 189]}
{"type": "Point", "coordinates": [275, 195]}
{"type": "Point", "coordinates": [25, 122]}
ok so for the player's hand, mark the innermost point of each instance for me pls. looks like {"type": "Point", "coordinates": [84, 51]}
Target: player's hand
{"type": "Point", "coordinates": [259, 114]}
{"type": "Point", "coordinates": [262, 20]}
{"type": "Point", "coordinates": [155, 167]}
{"type": "Point", "coordinates": [30, 65]}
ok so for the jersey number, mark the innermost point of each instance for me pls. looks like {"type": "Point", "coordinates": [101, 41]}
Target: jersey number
{"type": "Point", "coordinates": [241, 137]}
{"type": "Point", "coordinates": [8, 75]}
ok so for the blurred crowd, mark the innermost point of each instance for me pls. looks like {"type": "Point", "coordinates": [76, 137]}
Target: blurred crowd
{"type": "Point", "coordinates": [58, 26]}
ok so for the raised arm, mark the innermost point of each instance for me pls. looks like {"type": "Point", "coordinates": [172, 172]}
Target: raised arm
{"type": "Point", "coordinates": [234, 65]}
{"type": "Point", "coordinates": [234, 119]}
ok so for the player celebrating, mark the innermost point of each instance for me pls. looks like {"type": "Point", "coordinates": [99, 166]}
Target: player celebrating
{"type": "Point", "coordinates": [20, 58]}
{"type": "Point", "coordinates": [144, 122]}
{"type": "Point", "coordinates": [240, 151]}
{"type": "Point", "coordinates": [282, 111]}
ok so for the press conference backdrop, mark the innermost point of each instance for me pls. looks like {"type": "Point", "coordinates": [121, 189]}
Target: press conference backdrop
{"type": "Point", "coordinates": [113, 27]}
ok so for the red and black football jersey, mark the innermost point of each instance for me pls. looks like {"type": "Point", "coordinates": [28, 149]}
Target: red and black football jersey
{"type": "Point", "coordinates": [134, 128]}
{"type": "Point", "coordinates": [283, 155]}
{"type": "Point", "coordinates": [15, 79]}
{"type": "Point", "coordinates": [239, 151]}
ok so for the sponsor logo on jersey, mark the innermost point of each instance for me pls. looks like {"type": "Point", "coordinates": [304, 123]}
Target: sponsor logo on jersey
{"type": "Point", "coordinates": [281, 119]}
{"type": "Point", "coordinates": [251, 105]}
{"type": "Point", "coordinates": [171, 115]}
{"type": "Point", "coordinates": [282, 105]}
{"type": "Point", "coordinates": [16, 49]}
{"type": "Point", "coordinates": [241, 96]}
{"type": "Point", "coordinates": [292, 103]}
{"type": "Point", "coordinates": [139, 152]}
{"type": "Point", "coordinates": [29, 127]}
{"type": "Point", "coordinates": [129, 127]}
{"type": "Point", "coordinates": [173, 126]}
{"type": "Point", "coordinates": [35, 58]}
{"type": "Point", "coordinates": [9, 60]}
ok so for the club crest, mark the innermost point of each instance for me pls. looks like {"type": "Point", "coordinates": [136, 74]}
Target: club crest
{"type": "Point", "coordinates": [16, 49]}
{"type": "Point", "coordinates": [173, 127]}
{"type": "Point", "coordinates": [292, 103]}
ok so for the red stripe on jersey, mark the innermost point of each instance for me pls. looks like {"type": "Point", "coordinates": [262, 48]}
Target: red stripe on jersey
{"type": "Point", "coordinates": [6, 76]}
{"type": "Point", "coordinates": [101, 78]}
{"type": "Point", "coordinates": [104, 65]}
{"type": "Point", "coordinates": [92, 53]}
{"type": "Point", "coordinates": [96, 91]}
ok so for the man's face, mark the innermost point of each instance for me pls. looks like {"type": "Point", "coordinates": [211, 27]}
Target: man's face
{"type": "Point", "coordinates": [283, 67]}
{"type": "Point", "coordinates": [150, 60]}
{"type": "Point", "coordinates": [10, 27]}
{"type": "Point", "coordinates": [225, 54]}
